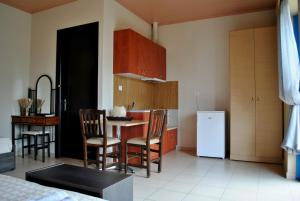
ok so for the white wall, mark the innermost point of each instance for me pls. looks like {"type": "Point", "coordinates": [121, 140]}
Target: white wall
{"type": "Point", "coordinates": [15, 30]}
{"type": "Point", "coordinates": [111, 16]}
{"type": "Point", "coordinates": [116, 17]}
{"type": "Point", "coordinates": [44, 31]}
{"type": "Point", "coordinates": [198, 57]}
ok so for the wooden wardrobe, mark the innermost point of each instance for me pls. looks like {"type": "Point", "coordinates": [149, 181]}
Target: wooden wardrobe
{"type": "Point", "coordinates": [256, 127]}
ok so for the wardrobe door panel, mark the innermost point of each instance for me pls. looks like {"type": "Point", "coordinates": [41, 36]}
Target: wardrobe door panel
{"type": "Point", "coordinates": [268, 105]}
{"type": "Point", "coordinates": [242, 104]}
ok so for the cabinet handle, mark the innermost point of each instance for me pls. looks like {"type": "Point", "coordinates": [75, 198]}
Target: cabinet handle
{"type": "Point", "coordinates": [252, 99]}
{"type": "Point", "coordinates": [257, 99]}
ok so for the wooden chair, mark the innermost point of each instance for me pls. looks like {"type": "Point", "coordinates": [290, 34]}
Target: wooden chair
{"type": "Point", "coordinates": [93, 127]}
{"type": "Point", "coordinates": [156, 128]}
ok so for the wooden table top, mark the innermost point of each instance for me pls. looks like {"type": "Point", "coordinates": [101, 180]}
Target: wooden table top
{"type": "Point", "coordinates": [35, 120]}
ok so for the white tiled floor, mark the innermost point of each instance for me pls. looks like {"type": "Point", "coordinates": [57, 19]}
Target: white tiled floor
{"type": "Point", "coordinates": [189, 178]}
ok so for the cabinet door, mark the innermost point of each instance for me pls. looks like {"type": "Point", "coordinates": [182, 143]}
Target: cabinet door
{"type": "Point", "coordinates": [268, 105]}
{"type": "Point", "coordinates": [142, 47]}
{"type": "Point", "coordinates": [170, 140]}
{"type": "Point", "coordinates": [161, 63]}
{"type": "Point", "coordinates": [242, 105]}
{"type": "Point", "coordinates": [126, 51]}
{"type": "Point", "coordinates": [173, 139]}
{"type": "Point", "coordinates": [166, 142]}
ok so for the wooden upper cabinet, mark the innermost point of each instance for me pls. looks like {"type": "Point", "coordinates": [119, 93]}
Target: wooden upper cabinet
{"type": "Point", "coordinates": [125, 52]}
{"type": "Point", "coordinates": [135, 54]}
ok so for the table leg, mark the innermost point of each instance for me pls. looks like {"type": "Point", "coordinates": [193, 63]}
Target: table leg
{"type": "Point", "coordinates": [13, 137]}
{"type": "Point", "coordinates": [119, 135]}
{"type": "Point", "coordinates": [43, 144]}
{"type": "Point", "coordinates": [29, 144]}
{"type": "Point", "coordinates": [119, 132]}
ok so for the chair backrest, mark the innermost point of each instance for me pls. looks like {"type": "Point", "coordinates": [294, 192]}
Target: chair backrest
{"type": "Point", "coordinates": [93, 123]}
{"type": "Point", "coordinates": [157, 124]}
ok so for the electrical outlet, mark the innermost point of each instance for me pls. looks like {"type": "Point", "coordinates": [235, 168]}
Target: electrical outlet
{"type": "Point", "coordinates": [120, 88]}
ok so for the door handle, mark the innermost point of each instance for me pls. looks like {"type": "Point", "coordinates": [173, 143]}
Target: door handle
{"type": "Point", "coordinates": [65, 104]}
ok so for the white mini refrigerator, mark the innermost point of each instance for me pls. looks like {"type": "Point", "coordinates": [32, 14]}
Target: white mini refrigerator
{"type": "Point", "coordinates": [211, 134]}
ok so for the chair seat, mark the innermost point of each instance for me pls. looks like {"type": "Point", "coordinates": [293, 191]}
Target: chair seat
{"type": "Point", "coordinates": [34, 132]}
{"type": "Point", "coordinates": [99, 141]}
{"type": "Point", "coordinates": [142, 141]}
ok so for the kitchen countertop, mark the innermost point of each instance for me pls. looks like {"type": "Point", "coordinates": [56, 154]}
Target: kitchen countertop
{"type": "Point", "coordinates": [148, 110]}
{"type": "Point", "coordinates": [127, 123]}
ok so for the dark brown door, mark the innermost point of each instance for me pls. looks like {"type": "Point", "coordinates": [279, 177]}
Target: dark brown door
{"type": "Point", "coordinates": [77, 81]}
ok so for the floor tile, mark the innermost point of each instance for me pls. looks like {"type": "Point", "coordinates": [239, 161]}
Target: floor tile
{"type": "Point", "coordinates": [199, 198]}
{"type": "Point", "coordinates": [234, 194]}
{"type": "Point", "coordinates": [210, 191]}
{"type": "Point", "coordinates": [188, 178]}
{"type": "Point", "coordinates": [144, 190]}
{"type": "Point", "coordinates": [179, 187]}
{"type": "Point", "coordinates": [165, 195]}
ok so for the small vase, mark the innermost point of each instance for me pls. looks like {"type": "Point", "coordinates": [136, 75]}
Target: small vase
{"type": "Point", "coordinates": [22, 111]}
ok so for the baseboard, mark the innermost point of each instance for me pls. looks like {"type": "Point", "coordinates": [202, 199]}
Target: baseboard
{"type": "Point", "coordinates": [255, 159]}
{"type": "Point", "coordinates": [181, 148]}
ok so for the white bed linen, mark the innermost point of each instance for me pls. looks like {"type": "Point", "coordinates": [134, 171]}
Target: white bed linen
{"type": "Point", "coordinates": [5, 145]}
{"type": "Point", "coordinates": [14, 189]}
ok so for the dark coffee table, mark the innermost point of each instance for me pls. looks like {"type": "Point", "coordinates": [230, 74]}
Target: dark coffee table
{"type": "Point", "coordinates": [111, 186]}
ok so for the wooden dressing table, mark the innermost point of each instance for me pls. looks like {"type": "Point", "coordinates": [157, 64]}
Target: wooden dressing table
{"type": "Point", "coordinates": [42, 121]}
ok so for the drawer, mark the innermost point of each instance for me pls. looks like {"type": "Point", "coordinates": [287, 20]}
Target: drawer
{"type": "Point", "coordinates": [28, 120]}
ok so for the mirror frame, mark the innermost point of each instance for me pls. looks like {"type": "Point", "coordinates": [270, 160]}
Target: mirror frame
{"type": "Point", "coordinates": [36, 88]}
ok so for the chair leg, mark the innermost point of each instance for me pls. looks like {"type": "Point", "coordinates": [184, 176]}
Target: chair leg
{"type": "Point", "coordinates": [97, 158]}
{"type": "Point", "coordinates": [160, 158]}
{"type": "Point", "coordinates": [142, 156]}
{"type": "Point", "coordinates": [35, 147]}
{"type": "Point", "coordinates": [85, 155]}
{"type": "Point", "coordinates": [48, 136]}
{"type": "Point", "coordinates": [28, 144]}
{"type": "Point", "coordinates": [104, 159]}
{"type": "Point", "coordinates": [120, 156]}
{"type": "Point", "coordinates": [126, 158]}
{"type": "Point", "coordinates": [148, 161]}
{"type": "Point", "coordinates": [23, 146]}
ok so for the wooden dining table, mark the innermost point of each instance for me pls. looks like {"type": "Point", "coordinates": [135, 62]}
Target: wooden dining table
{"type": "Point", "coordinates": [118, 125]}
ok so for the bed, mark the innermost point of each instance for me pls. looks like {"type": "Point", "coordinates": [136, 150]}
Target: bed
{"type": "Point", "coordinates": [7, 155]}
{"type": "Point", "coordinates": [12, 189]}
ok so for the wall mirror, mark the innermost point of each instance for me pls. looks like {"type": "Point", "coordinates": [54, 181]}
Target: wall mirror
{"type": "Point", "coordinates": [43, 95]}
